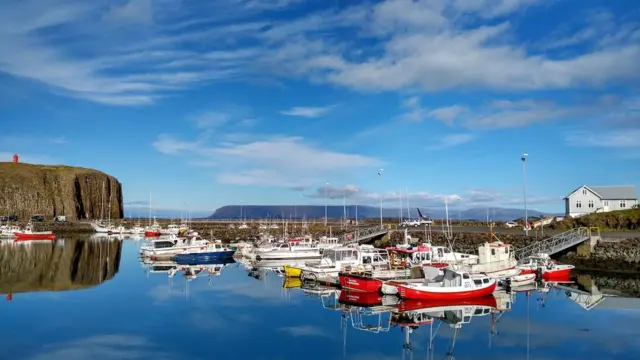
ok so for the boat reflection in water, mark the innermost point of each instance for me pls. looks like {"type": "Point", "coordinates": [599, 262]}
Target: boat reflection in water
{"type": "Point", "coordinates": [377, 313]}
{"type": "Point", "coordinates": [57, 265]}
{"type": "Point", "coordinates": [189, 271]}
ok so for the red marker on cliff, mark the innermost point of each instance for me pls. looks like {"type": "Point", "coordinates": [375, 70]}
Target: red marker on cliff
{"type": "Point", "coordinates": [15, 158]}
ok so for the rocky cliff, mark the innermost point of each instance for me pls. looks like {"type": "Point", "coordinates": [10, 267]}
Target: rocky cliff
{"type": "Point", "coordinates": [54, 266]}
{"type": "Point", "coordinates": [77, 193]}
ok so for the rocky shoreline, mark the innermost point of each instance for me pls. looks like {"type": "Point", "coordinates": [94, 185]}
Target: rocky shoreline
{"type": "Point", "coordinates": [615, 257]}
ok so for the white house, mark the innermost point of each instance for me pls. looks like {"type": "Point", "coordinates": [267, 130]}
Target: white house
{"type": "Point", "coordinates": [590, 199]}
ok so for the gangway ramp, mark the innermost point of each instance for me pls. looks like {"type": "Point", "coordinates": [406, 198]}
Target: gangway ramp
{"type": "Point", "coordinates": [555, 244]}
{"type": "Point", "coordinates": [365, 234]}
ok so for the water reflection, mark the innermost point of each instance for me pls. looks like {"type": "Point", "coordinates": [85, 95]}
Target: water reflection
{"type": "Point", "coordinates": [165, 310]}
{"type": "Point", "coordinates": [64, 264]}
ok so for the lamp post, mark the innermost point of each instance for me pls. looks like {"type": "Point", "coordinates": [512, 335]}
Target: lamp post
{"type": "Point", "coordinates": [380, 174]}
{"type": "Point", "coordinates": [524, 190]}
{"type": "Point", "coordinates": [326, 185]}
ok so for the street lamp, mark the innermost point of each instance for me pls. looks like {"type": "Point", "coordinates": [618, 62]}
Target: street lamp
{"type": "Point", "coordinates": [326, 185]}
{"type": "Point", "coordinates": [524, 190]}
{"type": "Point", "coordinates": [380, 174]}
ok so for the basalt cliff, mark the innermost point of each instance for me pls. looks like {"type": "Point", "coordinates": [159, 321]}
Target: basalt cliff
{"type": "Point", "coordinates": [78, 193]}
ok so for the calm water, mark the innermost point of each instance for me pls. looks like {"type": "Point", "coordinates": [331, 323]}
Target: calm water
{"type": "Point", "coordinates": [108, 306]}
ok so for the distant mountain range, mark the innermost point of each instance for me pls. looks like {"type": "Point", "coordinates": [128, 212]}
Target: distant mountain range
{"type": "Point", "coordinates": [318, 211]}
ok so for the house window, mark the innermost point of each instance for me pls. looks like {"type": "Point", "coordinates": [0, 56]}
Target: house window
{"type": "Point", "coordinates": [605, 203]}
{"type": "Point", "coordinates": [623, 204]}
{"type": "Point", "coordinates": [578, 204]}
{"type": "Point", "coordinates": [584, 191]}
{"type": "Point", "coordinates": [590, 203]}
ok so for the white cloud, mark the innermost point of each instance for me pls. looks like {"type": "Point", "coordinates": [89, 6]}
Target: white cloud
{"type": "Point", "coordinates": [618, 138]}
{"type": "Point", "coordinates": [146, 50]}
{"type": "Point", "coordinates": [309, 112]}
{"type": "Point", "coordinates": [284, 161]}
{"type": "Point", "coordinates": [450, 140]}
{"type": "Point", "coordinates": [304, 330]}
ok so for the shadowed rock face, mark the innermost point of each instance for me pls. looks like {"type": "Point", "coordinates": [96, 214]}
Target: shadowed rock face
{"type": "Point", "coordinates": [77, 193]}
{"type": "Point", "coordinates": [53, 266]}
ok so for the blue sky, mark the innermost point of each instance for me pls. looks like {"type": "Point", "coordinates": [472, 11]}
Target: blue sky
{"type": "Point", "coordinates": [207, 103]}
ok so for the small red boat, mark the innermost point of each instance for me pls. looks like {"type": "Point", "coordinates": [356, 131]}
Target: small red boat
{"type": "Point", "coordinates": [152, 233]}
{"type": "Point", "coordinates": [359, 283]}
{"type": "Point", "coordinates": [358, 298]}
{"type": "Point", "coordinates": [30, 235]}
{"type": "Point", "coordinates": [549, 268]}
{"type": "Point", "coordinates": [454, 285]}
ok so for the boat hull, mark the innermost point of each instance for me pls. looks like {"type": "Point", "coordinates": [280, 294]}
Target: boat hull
{"type": "Point", "coordinates": [292, 272]}
{"type": "Point", "coordinates": [189, 259]}
{"type": "Point", "coordinates": [152, 234]}
{"type": "Point", "coordinates": [34, 236]}
{"type": "Point", "coordinates": [438, 293]}
{"type": "Point", "coordinates": [289, 255]}
{"type": "Point", "coordinates": [563, 273]}
{"type": "Point", "coordinates": [359, 283]}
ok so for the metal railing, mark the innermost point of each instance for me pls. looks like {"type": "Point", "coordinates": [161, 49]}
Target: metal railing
{"type": "Point", "coordinates": [555, 243]}
{"type": "Point", "coordinates": [364, 233]}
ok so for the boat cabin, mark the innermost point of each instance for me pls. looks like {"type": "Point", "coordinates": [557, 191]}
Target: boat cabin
{"type": "Point", "coordinates": [454, 278]}
{"type": "Point", "coordinates": [458, 317]}
{"type": "Point", "coordinates": [496, 251]}
{"type": "Point", "coordinates": [411, 318]}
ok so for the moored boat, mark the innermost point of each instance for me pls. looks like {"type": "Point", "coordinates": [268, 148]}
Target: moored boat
{"type": "Point", "coordinates": [29, 234]}
{"type": "Point", "coordinates": [453, 285]}
{"type": "Point", "coordinates": [545, 268]}
{"type": "Point", "coordinates": [211, 252]}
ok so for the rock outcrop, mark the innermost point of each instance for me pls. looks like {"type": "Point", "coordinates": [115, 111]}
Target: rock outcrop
{"type": "Point", "coordinates": [54, 266]}
{"type": "Point", "coordinates": [77, 193]}
{"type": "Point", "coordinates": [621, 256]}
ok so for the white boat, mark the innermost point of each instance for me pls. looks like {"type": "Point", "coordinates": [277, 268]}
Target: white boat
{"type": "Point", "coordinates": [288, 251]}
{"type": "Point", "coordinates": [521, 280]}
{"type": "Point", "coordinates": [495, 259]}
{"type": "Point", "coordinates": [136, 230]}
{"type": "Point", "coordinates": [100, 227]}
{"type": "Point", "coordinates": [173, 229]}
{"type": "Point", "coordinates": [344, 259]}
{"type": "Point", "coordinates": [174, 246]}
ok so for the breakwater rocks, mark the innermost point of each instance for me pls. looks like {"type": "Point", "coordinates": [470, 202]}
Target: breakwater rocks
{"type": "Point", "coordinates": [621, 256]}
{"type": "Point", "coordinates": [54, 266]}
{"type": "Point", "coordinates": [463, 242]}
{"type": "Point", "coordinates": [77, 193]}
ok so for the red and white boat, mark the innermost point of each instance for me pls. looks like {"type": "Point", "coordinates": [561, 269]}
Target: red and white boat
{"type": "Point", "coordinates": [453, 285]}
{"type": "Point", "coordinates": [542, 265]}
{"type": "Point", "coordinates": [372, 282]}
{"type": "Point", "coordinates": [29, 234]}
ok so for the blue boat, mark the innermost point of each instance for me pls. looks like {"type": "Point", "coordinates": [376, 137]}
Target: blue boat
{"type": "Point", "coordinates": [215, 252]}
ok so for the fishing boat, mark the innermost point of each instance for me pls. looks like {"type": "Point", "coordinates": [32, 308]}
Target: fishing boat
{"type": "Point", "coordinates": [373, 281]}
{"type": "Point", "coordinates": [545, 268]}
{"type": "Point", "coordinates": [29, 234]}
{"type": "Point", "coordinates": [173, 246]}
{"type": "Point", "coordinates": [454, 284]}
{"type": "Point", "coordinates": [289, 251]}
{"type": "Point", "coordinates": [213, 252]}
{"type": "Point", "coordinates": [345, 259]}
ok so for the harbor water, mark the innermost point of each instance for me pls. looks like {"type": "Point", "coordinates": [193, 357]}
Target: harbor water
{"type": "Point", "coordinates": [93, 299]}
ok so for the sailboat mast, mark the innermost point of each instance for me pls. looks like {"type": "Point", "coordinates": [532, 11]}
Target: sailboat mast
{"type": "Point", "coordinates": [401, 208]}
{"type": "Point", "coordinates": [406, 192]}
